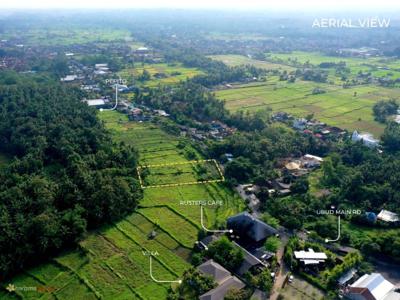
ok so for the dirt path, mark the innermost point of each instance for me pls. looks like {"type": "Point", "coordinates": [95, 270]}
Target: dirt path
{"type": "Point", "coordinates": [280, 277]}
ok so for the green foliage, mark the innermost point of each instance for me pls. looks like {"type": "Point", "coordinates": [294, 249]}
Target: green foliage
{"type": "Point", "coordinates": [193, 285]}
{"type": "Point", "coordinates": [391, 137]}
{"type": "Point", "coordinates": [272, 244]}
{"type": "Point", "coordinates": [225, 253]}
{"type": "Point", "coordinates": [68, 175]}
{"type": "Point", "coordinates": [383, 109]}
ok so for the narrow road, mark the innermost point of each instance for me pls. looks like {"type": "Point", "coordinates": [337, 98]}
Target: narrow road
{"type": "Point", "coordinates": [281, 275]}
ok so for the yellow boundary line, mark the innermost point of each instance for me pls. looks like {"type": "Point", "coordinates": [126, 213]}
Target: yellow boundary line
{"type": "Point", "coordinates": [139, 168]}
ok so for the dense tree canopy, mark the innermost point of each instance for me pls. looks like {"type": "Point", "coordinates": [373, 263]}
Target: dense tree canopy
{"type": "Point", "coordinates": [66, 176]}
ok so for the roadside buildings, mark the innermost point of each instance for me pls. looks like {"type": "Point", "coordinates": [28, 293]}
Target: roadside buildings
{"type": "Point", "coordinates": [372, 287]}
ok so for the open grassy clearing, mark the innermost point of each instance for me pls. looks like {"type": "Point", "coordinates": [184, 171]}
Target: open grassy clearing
{"type": "Point", "coordinates": [349, 108]}
{"type": "Point", "coordinates": [301, 290]}
{"type": "Point", "coordinates": [170, 73]}
{"type": "Point", "coordinates": [236, 60]}
{"type": "Point", "coordinates": [109, 263]}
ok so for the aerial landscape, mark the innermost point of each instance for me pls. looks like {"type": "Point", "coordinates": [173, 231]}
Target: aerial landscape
{"type": "Point", "coordinates": [214, 151]}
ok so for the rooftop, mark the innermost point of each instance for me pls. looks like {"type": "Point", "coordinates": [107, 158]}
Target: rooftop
{"type": "Point", "coordinates": [373, 286]}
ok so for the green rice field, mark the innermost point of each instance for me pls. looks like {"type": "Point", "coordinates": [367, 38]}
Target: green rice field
{"type": "Point", "coordinates": [349, 108]}
{"type": "Point", "coordinates": [109, 263]}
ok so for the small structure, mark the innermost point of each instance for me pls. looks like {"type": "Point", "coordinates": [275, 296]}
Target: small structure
{"type": "Point", "coordinates": [203, 244]}
{"type": "Point", "coordinates": [251, 231]}
{"type": "Point", "coordinates": [388, 216]}
{"type": "Point", "coordinates": [310, 257]}
{"type": "Point", "coordinates": [249, 261]}
{"type": "Point", "coordinates": [69, 78]}
{"type": "Point", "coordinates": [96, 102]}
{"type": "Point", "coordinates": [161, 113]}
{"type": "Point", "coordinates": [311, 161]}
{"type": "Point", "coordinates": [346, 277]}
{"type": "Point", "coordinates": [372, 287]}
{"type": "Point", "coordinates": [366, 138]}
{"type": "Point", "coordinates": [222, 277]}
{"type": "Point", "coordinates": [300, 124]}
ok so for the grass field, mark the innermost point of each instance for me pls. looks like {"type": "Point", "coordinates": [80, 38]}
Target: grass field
{"type": "Point", "coordinates": [109, 263]}
{"type": "Point", "coordinates": [337, 107]}
{"type": "Point", "coordinates": [236, 60]}
{"type": "Point", "coordinates": [173, 73]}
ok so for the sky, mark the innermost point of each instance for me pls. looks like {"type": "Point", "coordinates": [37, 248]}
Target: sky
{"type": "Point", "coordinates": [308, 5]}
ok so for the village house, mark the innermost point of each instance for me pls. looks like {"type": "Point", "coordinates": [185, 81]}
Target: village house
{"type": "Point", "coordinates": [310, 257]}
{"type": "Point", "coordinates": [372, 287]}
{"type": "Point", "coordinates": [366, 138]}
{"type": "Point", "coordinates": [388, 216]}
{"type": "Point", "coordinates": [251, 232]}
{"type": "Point", "coordinates": [222, 277]}
{"type": "Point", "coordinates": [98, 103]}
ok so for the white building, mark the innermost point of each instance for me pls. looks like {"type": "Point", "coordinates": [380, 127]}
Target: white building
{"type": "Point", "coordinates": [310, 257]}
{"type": "Point", "coordinates": [96, 102]}
{"type": "Point", "coordinates": [388, 216]}
{"type": "Point", "coordinates": [366, 138]}
{"type": "Point", "coordinates": [372, 287]}
{"type": "Point", "coordinates": [69, 78]}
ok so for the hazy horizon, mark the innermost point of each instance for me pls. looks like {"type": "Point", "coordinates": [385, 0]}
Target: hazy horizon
{"type": "Point", "coordinates": [282, 5]}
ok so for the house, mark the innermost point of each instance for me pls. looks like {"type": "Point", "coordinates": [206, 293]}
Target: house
{"type": "Point", "coordinates": [366, 138]}
{"type": "Point", "coordinates": [311, 161]}
{"type": "Point", "coordinates": [203, 244]}
{"type": "Point", "coordinates": [300, 124]}
{"type": "Point", "coordinates": [251, 231]}
{"type": "Point", "coordinates": [249, 261]}
{"type": "Point", "coordinates": [161, 113]}
{"type": "Point", "coordinates": [222, 277]}
{"type": "Point", "coordinates": [96, 102]}
{"type": "Point", "coordinates": [372, 287]}
{"type": "Point", "coordinates": [310, 257]}
{"type": "Point", "coordinates": [69, 78]}
{"type": "Point", "coordinates": [388, 216]}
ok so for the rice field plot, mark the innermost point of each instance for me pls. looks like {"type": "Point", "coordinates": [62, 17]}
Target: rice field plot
{"type": "Point", "coordinates": [177, 174]}
{"type": "Point", "coordinates": [237, 60]}
{"type": "Point", "coordinates": [378, 66]}
{"type": "Point", "coordinates": [161, 73]}
{"type": "Point", "coordinates": [349, 108]}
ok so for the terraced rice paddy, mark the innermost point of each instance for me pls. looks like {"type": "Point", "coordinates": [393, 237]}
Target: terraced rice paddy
{"type": "Point", "coordinates": [109, 263]}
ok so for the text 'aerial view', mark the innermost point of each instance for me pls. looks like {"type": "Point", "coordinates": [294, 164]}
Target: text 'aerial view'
{"type": "Point", "coordinates": [200, 150]}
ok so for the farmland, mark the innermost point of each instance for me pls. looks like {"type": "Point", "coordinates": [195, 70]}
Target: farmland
{"type": "Point", "coordinates": [378, 66]}
{"type": "Point", "coordinates": [64, 36]}
{"type": "Point", "coordinates": [170, 73]}
{"type": "Point", "coordinates": [349, 108]}
{"type": "Point", "coordinates": [236, 60]}
{"type": "Point", "coordinates": [109, 263]}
